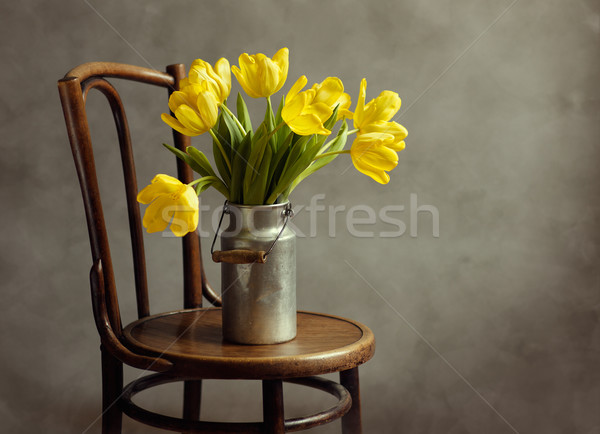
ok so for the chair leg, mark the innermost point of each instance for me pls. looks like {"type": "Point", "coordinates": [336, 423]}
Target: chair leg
{"type": "Point", "coordinates": [273, 415]}
{"type": "Point", "coordinates": [112, 387]}
{"type": "Point", "coordinates": [192, 397]}
{"type": "Point", "coordinates": [351, 421]}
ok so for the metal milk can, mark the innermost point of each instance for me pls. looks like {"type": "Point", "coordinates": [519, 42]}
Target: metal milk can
{"type": "Point", "coordinates": [258, 274]}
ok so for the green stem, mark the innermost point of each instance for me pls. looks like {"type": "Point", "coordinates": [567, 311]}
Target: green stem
{"type": "Point", "coordinates": [328, 154]}
{"type": "Point", "coordinates": [204, 178]}
{"type": "Point", "coordinates": [328, 144]}
{"type": "Point", "coordinates": [214, 136]}
{"type": "Point", "coordinates": [240, 126]}
{"type": "Point", "coordinates": [276, 129]}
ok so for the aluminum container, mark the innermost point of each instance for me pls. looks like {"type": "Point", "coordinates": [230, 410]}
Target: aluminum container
{"type": "Point", "coordinates": [259, 300]}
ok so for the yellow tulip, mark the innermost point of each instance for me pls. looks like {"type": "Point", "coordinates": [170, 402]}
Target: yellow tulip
{"type": "Point", "coordinates": [383, 108]}
{"type": "Point", "coordinates": [374, 154]}
{"type": "Point", "coordinates": [218, 79]}
{"type": "Point", "coordinates": [196, 109]}
{"type": "Point", "coordinates": [261, 76]}
{"type": "Point", "coordinates": [172, 202]}
{"type": "Point", "coordinates": [303, 113]}
{"type": "Point", "coordinates": [331, 92]}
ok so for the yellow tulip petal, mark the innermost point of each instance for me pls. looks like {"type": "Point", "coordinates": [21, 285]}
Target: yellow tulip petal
{"type": "Point", "coordinates": [344, 103]}
{"type": "Point", "coordinates": [307, 124]}
{"type": "Point", "coordinates": [281, 58]}
{"type": "Point", "coordinates": [179, 98]}
{"type": "Point", "coordinates": [186, 214]}
{"type": "Point", "coordinates": [158, 214]}
{"type": "Point", "coordinates": [329, 91]}
{"type": "Point", "coordinates": [241, 78]}
{"type": "Point", "coordinates": [393, 128]}
{"type": "Point", "coordinates": [298, 85]}
{"type": "Point", "coordinates": [178, 126]}
{"type": "Point", "coordinates": [161, 184]}
{"type": "Point", "coordinates": [268, 78]}
{"type": "Point", "coordinates": [208, 107]}
{"type": "Point", "coordinates": [379, 160]}
{"type": "Point", "coordinates": [397, 146]}
{"type": "Point", "coordinates": [360, 104]}
{"type": "Point", "coordinates": [222, 69]}
{"type": "Point", "coordinates": [184, 82]}
{"type": "Point", "coordinates": [321, 110]}
{"type": "Point", "coordinates": [382, 108]}
{"type": "Point", "coordinates": [378, 175]}
{"type": "Point", "coordinates": [191, 120]}
{"type": "Point", "coordinates": [293, 107]}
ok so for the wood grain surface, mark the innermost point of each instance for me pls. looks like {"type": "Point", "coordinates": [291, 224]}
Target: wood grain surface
{"type": "Point", "coordinates": [192, 340]}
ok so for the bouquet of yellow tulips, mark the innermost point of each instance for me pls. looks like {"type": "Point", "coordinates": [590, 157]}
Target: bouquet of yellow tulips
{"type": "Point", "coordinates": [263, 165]}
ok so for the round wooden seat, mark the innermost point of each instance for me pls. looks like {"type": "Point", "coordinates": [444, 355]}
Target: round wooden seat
{"type": "Point", "coordinates": [192, 341]}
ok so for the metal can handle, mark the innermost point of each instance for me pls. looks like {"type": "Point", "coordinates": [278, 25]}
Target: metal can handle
{"type": "Point", "coordinates": [240, 256]}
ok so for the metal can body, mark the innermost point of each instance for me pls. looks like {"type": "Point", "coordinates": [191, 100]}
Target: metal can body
{"type": "Point", "coordinates": [259, 300]}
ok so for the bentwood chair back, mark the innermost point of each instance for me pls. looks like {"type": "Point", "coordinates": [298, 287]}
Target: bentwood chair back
{"type": "Point", "coordinates": [74, 89]}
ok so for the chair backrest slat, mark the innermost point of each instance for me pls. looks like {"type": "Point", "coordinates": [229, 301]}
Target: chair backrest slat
{"type": "Point", "coordinates": [192, 273]}
{"type": "Point", "coordinates": [131, 189]}
{"type": "Point", "coordinates": [81, 145]}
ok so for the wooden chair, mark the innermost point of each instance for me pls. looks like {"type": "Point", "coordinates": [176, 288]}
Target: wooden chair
{"type": "Point", "coordinates": [187, 345]}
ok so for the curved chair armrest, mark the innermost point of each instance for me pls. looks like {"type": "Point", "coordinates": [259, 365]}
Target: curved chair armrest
{"type": "Point", "coordinates": [107, 334]}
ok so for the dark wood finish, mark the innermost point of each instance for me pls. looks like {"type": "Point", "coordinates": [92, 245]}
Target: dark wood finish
{"type": "Point", "coordinates": [112, 385]}
{"type": "Point", "coordinates": [240, 256]}
{"type": "Point", "coordinates": [131, 188]}
{"type": "Point", "coordinates": [81, 146]}
{"type": "Point", "coordinates": [193, 426]}
{"type": "Point", "coordinates": [193, 338]}
{"type": "Point", "coordinates": [107, 336]}
{"type": "Point", "coordinates": [273, 417]}
{"type": "Point", "coordinates": [352, 421]}
{"type": "Point", "coordinates": [187, 345]}
{"type": "Point", "coordinates": [192, 398]}
{"type": "Point", "coordinates": [123, 71]}
{"type": "Point", "coordinates": [326, 416]}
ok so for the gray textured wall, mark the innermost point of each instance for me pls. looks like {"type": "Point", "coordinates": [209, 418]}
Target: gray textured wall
{"type": "Point", "coordinates": [490, 328]}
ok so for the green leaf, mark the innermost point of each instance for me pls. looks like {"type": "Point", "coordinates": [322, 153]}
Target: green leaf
{"type": "Point", "coordinates": [298, 147]}
{"type": "Point", "coordinates": [242, 113]}
{"type": "Point", "coordinates": [234, 130]}
{"type": "Point", "coordinates": [222, 134]}
{"type": "Point", "coordinates": [254, 161]}
{"type": "Point", "coordinates": [278, 161]}
{"type": "Point", "coordinates": [257, 191]}
{"type": "Point", "coordinates": [238, 169]}
{"type": "Point", "coordinates": [210, 181]}
{"type": "Point", "coordinates": [200, 159]}
{"type": "Point", "coordinates": [187, 159]}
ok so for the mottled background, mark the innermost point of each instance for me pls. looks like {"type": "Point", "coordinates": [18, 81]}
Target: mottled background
{"type": "Point", "coordinates": [492, 327]}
